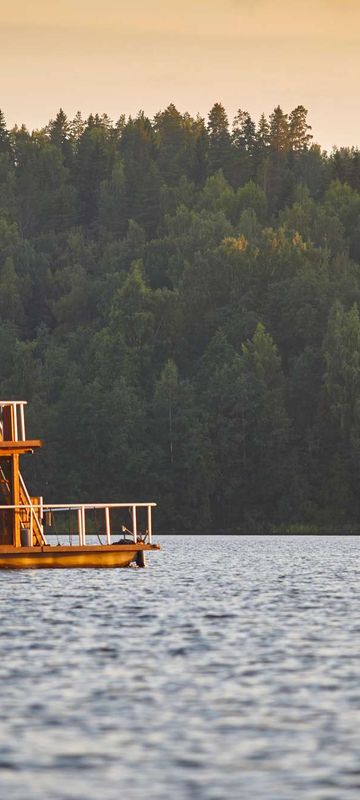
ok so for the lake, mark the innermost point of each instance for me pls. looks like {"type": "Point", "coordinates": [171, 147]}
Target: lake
{"type": "Point", "coordinates": [229, 669]}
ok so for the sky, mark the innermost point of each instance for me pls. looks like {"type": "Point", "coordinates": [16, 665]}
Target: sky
{"type": "Point", "coordinates": [120, 56]}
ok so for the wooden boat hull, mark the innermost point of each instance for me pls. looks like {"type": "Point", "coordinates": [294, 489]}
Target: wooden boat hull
{"type": "Point", "coordinates": [63, 557]}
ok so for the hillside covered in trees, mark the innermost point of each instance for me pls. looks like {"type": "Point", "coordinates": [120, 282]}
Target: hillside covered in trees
{"type": "Point", "coordinates": [179, 303]}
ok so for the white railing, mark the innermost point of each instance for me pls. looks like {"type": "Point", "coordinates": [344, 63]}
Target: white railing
{"type": "Point", "coordinates": [36, 511]}
{"type": "Point", "coordinates": [81, 509]}
{"type": "Point", "coordinates": [18, 417]}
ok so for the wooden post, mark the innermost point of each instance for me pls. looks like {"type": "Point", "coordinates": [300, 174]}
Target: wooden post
{"type": "Point", "coordinates": [15, 499]}
{"type": "Point", "coordinates": [107, 525]}
{"type": "Point", "coordinates": [22, 422]}
{"type": "Point", "coordinates": [41, 514]}
{"type": "Point", "coordinates": [83, 525]}
{"type": "Point", "coordinates": [134, 523]}
{"type": "Point", "coordinates": [149, 524]}
{"type": "Point", "coordinates": [15, 422]}
{"type": "Point", "coordinates": [80, 526]}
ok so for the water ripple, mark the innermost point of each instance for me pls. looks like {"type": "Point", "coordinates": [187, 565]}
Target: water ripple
{"type": "Point", "coordinates": [229, 669]}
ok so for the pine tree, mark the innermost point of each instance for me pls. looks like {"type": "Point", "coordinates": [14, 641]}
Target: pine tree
{"type": "Point", "coordinates": [176, 143]}
{"type": "Point", "coordinates": [244, 131]}
{"type": "Point", "coordinates": [5, 139]}
{"type": "Point", "coordinates": [244, 148]}
{"type": "Point", "coordinates": [143, 179]}
{"type": "Point", "coordinates": [77, 127]}
{"type": "Point", "coordinates": [299, 136]}
{"type": "Point", "coordinates": [59, 133]}
{"type": "Point", "coordinates": [279, 131]}
{"type": "Point", "coordinates": [263, 133]}
{"type": "Point", "coordinates": [59, 129]}
{"type": "Point", "coordinates": [93, 165]}
{"type": "Point", "coordinates": [219, 140]}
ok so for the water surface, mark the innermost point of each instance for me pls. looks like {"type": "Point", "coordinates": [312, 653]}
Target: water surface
{"type": "Point", "coordinates": [229, 669]}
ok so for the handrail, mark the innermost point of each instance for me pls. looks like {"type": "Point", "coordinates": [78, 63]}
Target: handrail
{"type": "Point", "coordinates": [81, 509]}
{"type": "Point", "coordinates": [4, 403]}
{"type": "Point", "coordinates": [32, 507]}
{"type": "Point", "coordinates": [17, 406]}
{"type": "Point", "coordinates": [74, 506]}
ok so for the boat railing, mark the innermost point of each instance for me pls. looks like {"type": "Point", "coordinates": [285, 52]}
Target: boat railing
{"type": "Point", "coordinates": [16, 408]}
{"type": "Point", "coordinates": [36, 510]}
{"type": "Point", "coordinates": [81, 510]}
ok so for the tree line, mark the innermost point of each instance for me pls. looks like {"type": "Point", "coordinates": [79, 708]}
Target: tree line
{"type": "Point", "coordinates": [179, 305]}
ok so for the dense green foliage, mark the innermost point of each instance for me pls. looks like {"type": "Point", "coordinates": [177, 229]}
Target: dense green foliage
{"type": "Point", "coordinates": [179, 305]}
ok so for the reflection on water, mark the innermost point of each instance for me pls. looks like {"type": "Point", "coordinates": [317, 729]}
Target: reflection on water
{"type": "Point", "coordinates": [229, 669]}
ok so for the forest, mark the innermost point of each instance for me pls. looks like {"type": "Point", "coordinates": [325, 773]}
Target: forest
{"type": "Point", "coordinates": [179, 305]}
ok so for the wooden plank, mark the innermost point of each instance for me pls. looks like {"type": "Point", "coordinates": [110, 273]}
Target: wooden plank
{"type": "Point", "coordinates": [12, 448]}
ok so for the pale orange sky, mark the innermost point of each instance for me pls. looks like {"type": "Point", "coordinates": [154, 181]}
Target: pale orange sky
{"type": "Point", "coordinates": [119, 56]}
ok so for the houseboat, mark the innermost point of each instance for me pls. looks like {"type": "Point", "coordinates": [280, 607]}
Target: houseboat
{"type": "Point", "coordinates": [88, 534]}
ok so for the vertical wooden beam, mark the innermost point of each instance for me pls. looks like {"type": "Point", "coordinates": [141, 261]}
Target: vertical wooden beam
{"type": "Point", "coordinates": [8, 424]}
{"type": "Point", "coordinates": [80, 524]}
{"type": "Point", "coordinates": [83, 525]}
{"type": "Point", "coordinates": [6, 517]}
{"type": "Point", "coordinates": [149, 521]}
{"type": "Point", "coordinates": [15, 499]}
{"type": "Point", "coordinates": [107, 525]}
{"type": "Point", "coordinates": [22, 423]}
{"type": "Point", "coordinates": [134, 522]}
{"type": "Point", "coordinates": [15, 423]}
